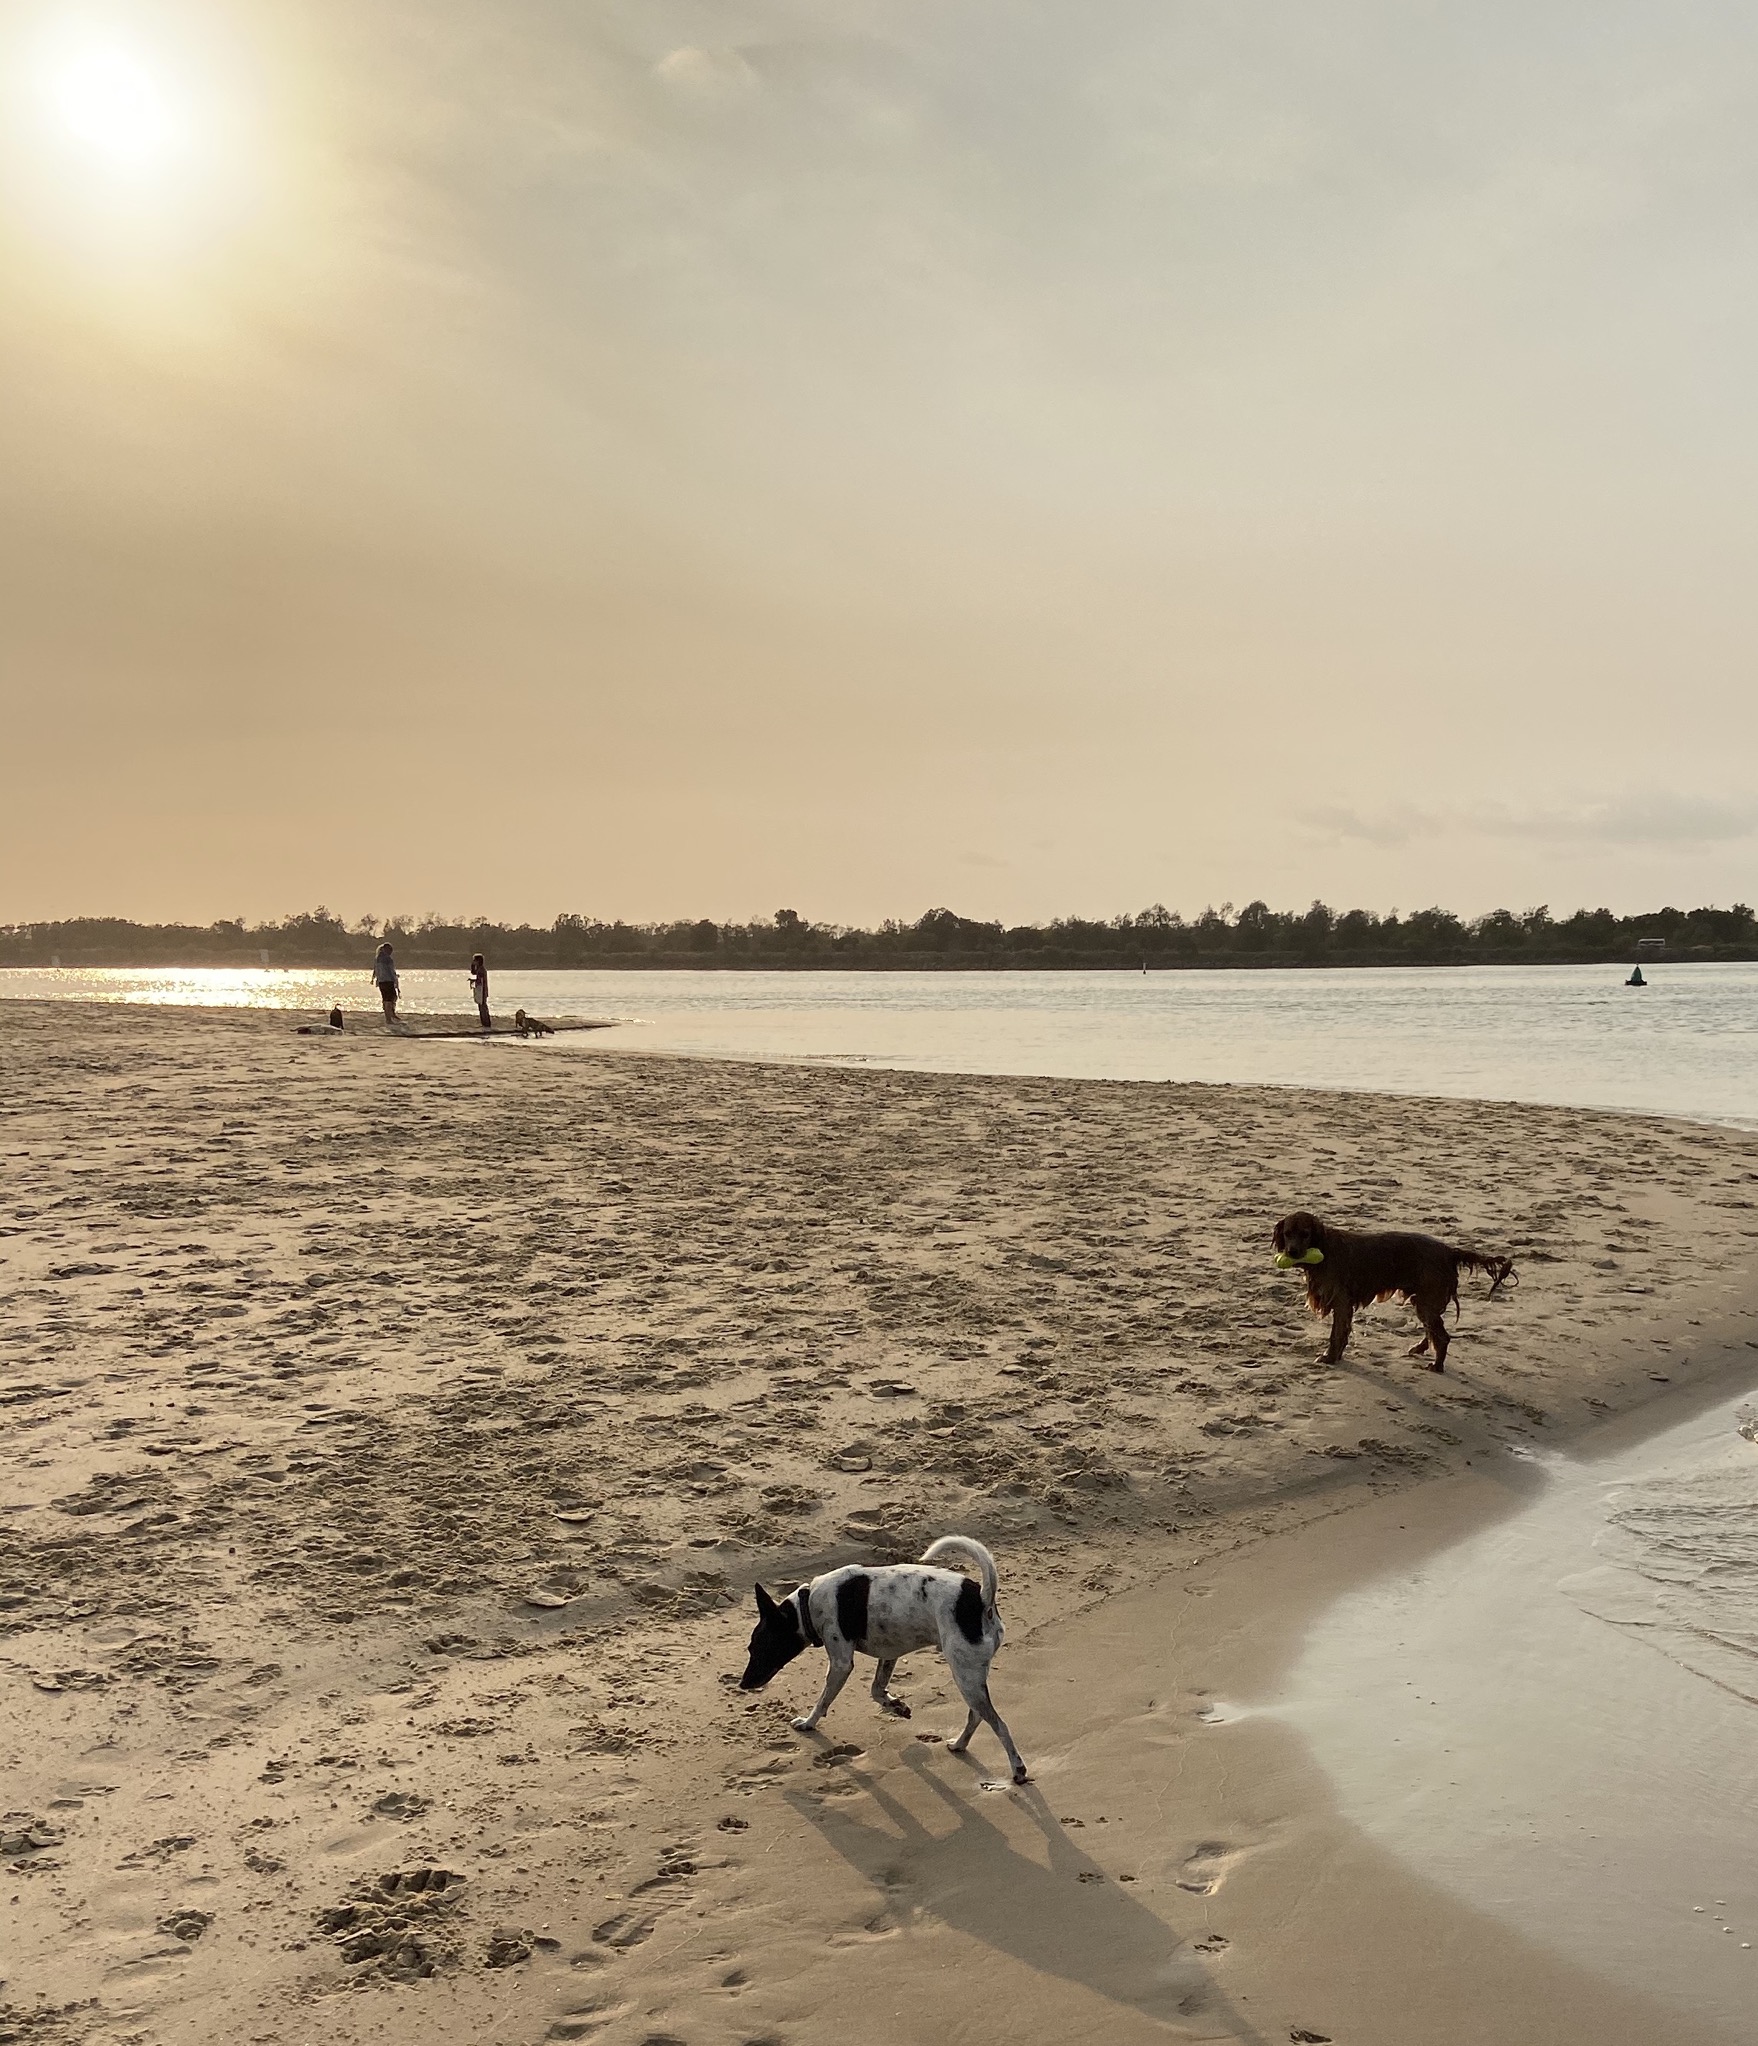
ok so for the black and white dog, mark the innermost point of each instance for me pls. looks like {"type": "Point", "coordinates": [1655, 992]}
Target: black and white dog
{"type": "Point", "coordinates": [888, 1613]}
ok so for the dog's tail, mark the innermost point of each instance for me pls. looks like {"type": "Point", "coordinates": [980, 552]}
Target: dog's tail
{"type": "Point", "coordinates": [964, 1545]}
{"type": "Point", "coordinates": [1500, 1269]}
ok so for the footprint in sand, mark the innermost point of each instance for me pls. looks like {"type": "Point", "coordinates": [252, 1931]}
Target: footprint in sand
{"type": "Point", "coordinates": [627, 1929]}
{"type": "Point", "coordinates": [187, 1926]}
{"type": "Point", "coordinates": [23, 1834]}
{"type": "Point", "coordinates": [1205, 1866]}
{"type": "Point", "coordinates": [585, 2019]}
{"type": "Point", "coordinates": [670, 1874]}
{"type": "Point", "coordinates": [881, 1927]}
{"type": "Point", "coordinates": [841, 1751]}
{"type": "Point", "coordinates": [393, 1921]}
{"type": "Point", "coordinates": [400, 1804]}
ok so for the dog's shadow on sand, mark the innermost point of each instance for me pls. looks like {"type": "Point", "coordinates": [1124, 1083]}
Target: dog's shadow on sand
{"type": "Point", "coordinates": [1060, 1916]}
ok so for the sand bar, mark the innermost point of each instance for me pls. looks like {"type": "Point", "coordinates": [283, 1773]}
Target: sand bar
{"type": "Point", "coordinates": [393, 1428]}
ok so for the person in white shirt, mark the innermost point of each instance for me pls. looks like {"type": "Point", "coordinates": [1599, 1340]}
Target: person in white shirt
{"type": "Point", "coordinates": [384, 978]}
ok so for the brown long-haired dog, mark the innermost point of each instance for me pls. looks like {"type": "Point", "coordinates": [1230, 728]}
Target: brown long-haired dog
{"type": "Point", "coordinates": [1363, 1265]}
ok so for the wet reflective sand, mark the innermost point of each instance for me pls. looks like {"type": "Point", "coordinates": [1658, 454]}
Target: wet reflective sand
{"type": "Point", "coordinates": [1554, 1719]}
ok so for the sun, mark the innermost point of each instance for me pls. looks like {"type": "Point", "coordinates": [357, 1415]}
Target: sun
{"type": "Point", "coordinates": [141, 160]}
{"type": "Point", "coordinates": [110, 100]}
{"type": "Point", "coordinates": [115, 109]}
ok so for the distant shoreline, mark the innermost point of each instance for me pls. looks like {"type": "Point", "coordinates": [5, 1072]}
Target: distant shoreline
{"type": "Point", "coordinates": [941, 941]}
{"type": "Point", "coordinates": [416, 958]}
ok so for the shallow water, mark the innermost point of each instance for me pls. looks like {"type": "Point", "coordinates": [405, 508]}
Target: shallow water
{"type": "Point", "coordinates": [1555, 1718]}
{"type": "Point", "coordinates": [1686, 1045]}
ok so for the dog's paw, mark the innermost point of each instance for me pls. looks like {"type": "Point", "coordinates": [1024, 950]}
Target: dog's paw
{"type": "Point", "coordinates": [805, 1724]}
{"type": "Point", "coordinates": [1019, 1774]}
{"type": "Point", "coordinates": [896, 1707]}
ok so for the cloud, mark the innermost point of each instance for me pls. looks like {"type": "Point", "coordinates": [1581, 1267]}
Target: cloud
{"type": "Point", "coordinates": [1666, 818]}
{"type": "Point", "coordinates": [706, 73]}
{"type": "Point", "coordinates": [1388, 827]}
{"type": "Point", "coordinates": [1638, 817]}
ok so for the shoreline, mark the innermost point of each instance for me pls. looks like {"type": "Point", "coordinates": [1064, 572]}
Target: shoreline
{"type": "Point", "coordinates": [453, 1023]}
{"type": "Point", "coordinates": [1546, 1714]}
{"type": "Point", "coordinates": [650, 1317]}
{"type": "Point", "coordinates": [636, 963]}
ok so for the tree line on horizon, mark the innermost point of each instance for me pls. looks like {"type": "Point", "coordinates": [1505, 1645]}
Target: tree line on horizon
{"type": "Point", "coordinates": [940, 940]}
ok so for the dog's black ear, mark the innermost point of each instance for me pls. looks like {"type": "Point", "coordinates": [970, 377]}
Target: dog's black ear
{"type": "Point", "coordinates": [765, 1604]}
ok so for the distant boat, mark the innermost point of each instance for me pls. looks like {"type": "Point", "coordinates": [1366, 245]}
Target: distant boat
{"type": "Point", "coordinates": [1636, 980]}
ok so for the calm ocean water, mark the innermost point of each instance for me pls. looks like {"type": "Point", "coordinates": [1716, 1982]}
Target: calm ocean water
{"type": "Point", "coordinates": [1686, 1045]}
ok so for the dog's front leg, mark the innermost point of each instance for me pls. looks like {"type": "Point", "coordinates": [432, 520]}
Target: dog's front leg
{"type": "Point", "coordinates": [1342, 1320]}
{"type": "Point", "coordinates": [840, 1672]}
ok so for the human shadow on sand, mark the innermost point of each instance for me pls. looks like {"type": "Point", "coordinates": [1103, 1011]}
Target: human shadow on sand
{"type": "Point", "coordinates": [1066, 1917]}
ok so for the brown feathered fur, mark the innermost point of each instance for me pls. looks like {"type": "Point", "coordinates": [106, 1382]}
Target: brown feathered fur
{"type": "Point", "coordinates": [1363, 1265]}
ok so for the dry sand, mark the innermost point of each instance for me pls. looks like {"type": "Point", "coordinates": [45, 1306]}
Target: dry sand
{"type": "Point", "coordinates": [393, 1429]}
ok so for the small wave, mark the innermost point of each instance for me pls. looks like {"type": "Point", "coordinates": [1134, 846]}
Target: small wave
{"type": "Point", "coordinates": [1679, 1569]}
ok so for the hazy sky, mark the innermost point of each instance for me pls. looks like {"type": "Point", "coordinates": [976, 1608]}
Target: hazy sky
{"type": "Point", "coordinates": [664, 459]}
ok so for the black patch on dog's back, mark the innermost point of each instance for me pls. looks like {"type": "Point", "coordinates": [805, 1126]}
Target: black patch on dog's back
{"type": "Point", "coordinates": [851, 1607]}
{"type": "Point", "coordinates": [968, 1611]}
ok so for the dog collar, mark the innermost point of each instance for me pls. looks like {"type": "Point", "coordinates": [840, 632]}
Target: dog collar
{"type": "Point", "coordinates": [803, 1605]}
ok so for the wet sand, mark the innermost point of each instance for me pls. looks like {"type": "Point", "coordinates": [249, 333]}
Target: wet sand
{"type": "Point", "coordinates": [393, 1429]}
{"type": "Point", "coordinates": [1554, 1716]}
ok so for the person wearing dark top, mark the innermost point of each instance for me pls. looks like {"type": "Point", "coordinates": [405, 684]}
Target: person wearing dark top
{"type": "Point", "coordinates": [479, 989]}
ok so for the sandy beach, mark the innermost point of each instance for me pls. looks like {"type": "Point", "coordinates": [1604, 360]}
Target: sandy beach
{"type": "Point", "coordinates": [395, 1426]}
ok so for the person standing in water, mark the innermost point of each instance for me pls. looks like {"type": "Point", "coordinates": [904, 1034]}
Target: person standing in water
{"type": "Point", "coordinates": [479, 989]}
{"type": "Point", "coordinates": [384, 978]}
